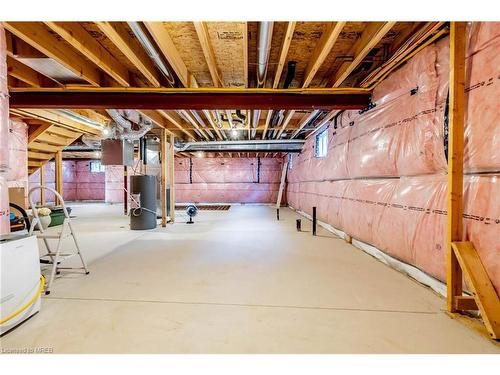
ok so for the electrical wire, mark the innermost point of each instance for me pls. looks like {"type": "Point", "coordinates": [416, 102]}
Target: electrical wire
{"type": "Point", "coordinates": [27, 304]}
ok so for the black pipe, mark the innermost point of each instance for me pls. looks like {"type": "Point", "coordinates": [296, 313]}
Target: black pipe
{"type": "Point", "coordinates": [314, 221]}
{"type": "Point", "coordinates": [290, 74]}
{"type": "Point", "coordinates": [278, 214]}
{"type": "Point", "coordinates": [299, 225]}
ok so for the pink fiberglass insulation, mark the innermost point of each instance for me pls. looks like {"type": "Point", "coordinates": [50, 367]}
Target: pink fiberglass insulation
{"type": "Point", "coordinates": [482, 127]}
{"type": "Point", "coordinates": [79, 184]}
{"type": "Point", "coordinates": [406, 217]}
{"type": "Point", "coordinates": [228, 180]}
{"type": "Point", "coordinates": [4, 207]}
{"type": "Point", "coordinates": [4, 136]}
{"type": "Point", "coordinates": [228, 170]}
{"type": "Point", "coordinates": [114, 184]}
{"type": "Point", "coordinates": [18, 155]}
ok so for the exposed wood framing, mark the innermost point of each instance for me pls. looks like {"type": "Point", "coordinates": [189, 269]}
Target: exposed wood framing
{"type": "Point", "coordinates": [82, 41]}
{"type": "Point", "coordinates": [370, 37]}
{"type": "Point", "coordinates": [171, 180]}
{"type": "Point", "coordinates": [481, 287]}
{"type": "Point", "coordinates": [117, 33]}
{"type": "Point", "coordinates": [322, 50]}
{"type": "Point", "coordinates": [37, 36]}
{"type": "Point", "coordinates": [287, 39]}
{"type": "Point", "coordinates": [27, 75]}
{"type": "Point", "coordinates": [303, 122]}
{"type": "Point", "coordinates": [163, 176]}
{"type": "Point", "coordinates": [208, 52]}
{"type": "Point", "coordinates": [455, 157]}
{"type": "Point", "coordinates": [167, 47]}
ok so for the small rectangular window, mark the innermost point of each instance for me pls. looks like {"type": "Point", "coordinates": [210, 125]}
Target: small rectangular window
{"type": "Point", "coordinates": [321, 146]}
{"type": "Point", "coordinates": [290, 161]}
{"type": "Point", "coordinates": [96, 167]}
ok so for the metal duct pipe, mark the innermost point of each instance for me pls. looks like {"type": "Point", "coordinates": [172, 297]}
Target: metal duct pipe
{"type": "Point", "coordinates": [125, 126]}
{"type": "Point", "coordinates": [294, 145]}
{"type": "Point", "coordinates": [263, 51]}
{"type": "Point", "coordinates": [150, 49]}
{"type": "Point", "coordinates": [255, 122]}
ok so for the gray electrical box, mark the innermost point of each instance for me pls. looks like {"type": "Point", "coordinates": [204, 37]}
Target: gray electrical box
{"type": "Point", "coordinates": [117, 152]}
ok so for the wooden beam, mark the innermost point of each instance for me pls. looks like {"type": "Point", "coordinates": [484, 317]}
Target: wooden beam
{"type": "Point", "coordinates": [480, 285]}
{"type": "Point", "coordinates": [56, 118]}
{"type": "Point", "coordinates": [287, 39]}
{"type": "Point", "coordinates": [53, 139]}
{"type": "Point", "coordinates": [40, 129]}
{"type": "Point", "coordinates": [81, 40]}
{"type": "Point", "coordinates": [370, 37]}
{"type": "Point", "coordinates": [322, 50]}
{"type": "Point", "coordinates": [303, 122]}
{"type": "Point", "coordinates": [455, 158]}
{"type": "Point", "coordinates": [39, 155]}
{"type": "Point", "coordinates": [118, 34]}
{"type": "Point", "coordinates": [191, 99]}
{"type": "Point", "coordinates": [171, 180]}
{"type": "Point", "coordinates": [266, 126]}
{"type": "Point", "coordinates": [245, 54]}
{"type": "Point", "coordinates": [43, 147]}
{"type": "Point", "coordinates": [176, 123]}
{"type": "Point", "coordinates": [59, 174]}
{"type": "Point", "coordinates": [26, 74]}
{"type": "Point", "coordinates": [36, 35]}
{"type": "Point", "coordinates": [167, 47]}
{"type": "Point", "coordinates": [465, 303]}
{"type": "Point", "coordinates": [286, 120]}
{"type": "Point", "coordinates": [208, 52]}
{"type": "Point", "coordinates": [163, 176]}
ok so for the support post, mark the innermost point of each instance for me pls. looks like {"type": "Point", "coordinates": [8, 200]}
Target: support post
{"type": "Point", "coordinates": [42, 183]}
{"type": "Point", "coordinates": [282, 188]}
{"type": "Point", "coordinates": [163, 177]}
{"type": "Point", "coordinates": [455, 160]}
{"type": "Point", "coordinates": [171, 182]}
{"type": "Point", "coordinates": [314, 221]}
{"type": "Point", "coordinates": [125, 189]}
{"type": "Point", "coordinates": [59, 175]}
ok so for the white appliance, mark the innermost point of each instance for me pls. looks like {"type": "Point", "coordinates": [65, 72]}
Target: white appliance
{"type": "Point", "coordinates": [19, 278]}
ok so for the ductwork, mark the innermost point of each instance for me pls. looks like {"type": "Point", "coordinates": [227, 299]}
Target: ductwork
{"type": "Point", "coordinates": [278, 116]}
{"type": "Point", "coordinates": [123, 125]}
{"type": "Point", "coordinates": [150, 49]}
{"type": "Point", "coordinates": [243, 146]}
{"type": "Point", "coordinates": [263, 51]}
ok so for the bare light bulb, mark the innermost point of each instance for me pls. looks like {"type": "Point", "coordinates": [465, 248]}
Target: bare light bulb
{"type": "Point", "coordinates": [234, 133]}
{"type": "Point", "coordinates": [105, 131]}
{"type": "Point", "coordinates": [199, 154]}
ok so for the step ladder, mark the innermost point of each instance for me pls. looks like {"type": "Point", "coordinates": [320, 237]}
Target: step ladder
{"type": "Point", "coordinates": [55, 257]}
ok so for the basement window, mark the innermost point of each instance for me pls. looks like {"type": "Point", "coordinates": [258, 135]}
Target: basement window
{"type": "Point", "coordinates": [96, 167]}
{"type": "Point", "coordinates": [321, 146]}
{"type": "Point", "coordinates": [290, 161]}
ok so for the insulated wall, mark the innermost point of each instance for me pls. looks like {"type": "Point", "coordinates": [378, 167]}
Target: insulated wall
{"type": "Point", "coordinates": [4, 136]}
{"type": "Point", "coordinates": [228, 180]}
{"type": "Point", "coordinates": [384, 180]}
{"type": "Point", "coordinates": [79, 184]}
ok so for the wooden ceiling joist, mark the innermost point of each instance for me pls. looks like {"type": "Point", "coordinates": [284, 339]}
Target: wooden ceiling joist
{"type": "Point", "coordinates": [36, 35]}
{"type": "Point", "coordinates": [167, 47]}
{"type": "Point", "coordinates": [370, 37]}
{"type": "Point", "coordinates": [208, 52]}
{"type": "Point", "coordinates": [27, 75]}
{"type": "Point", "coordinates": [118, 34]}
{"type": "Point", "coordinates": [322, 50]}
{"type": "Point", "coordinates": [287, 39]}
{"type": "Point", "coordinates": [81, 40]}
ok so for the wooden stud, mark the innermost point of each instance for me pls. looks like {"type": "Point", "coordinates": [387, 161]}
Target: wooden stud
{"type": "Point", "coordinates": [118, 34]}
{"type": "Point", "coordinates": [81, 40]}
{"type": "Point", "coordinates": [36, 35]}
{"type": "Point", "coordinates": [464, 303]}
{"type": "Point", "coordinates": [163, 176]}
{"type": "Point", "coordinates": [370, 37]}
{"type": "Point", "coordinates": [322, 50]}
{"type": "Point", "coordinates": [455, 158]}
{"type": "Point", "coordinates": [266, 126]}
{"type": "Point", "coordinates": [59, 174]}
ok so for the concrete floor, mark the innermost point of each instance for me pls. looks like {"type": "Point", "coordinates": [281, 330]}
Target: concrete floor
{"type": "Point", "coordinates": [235, 282]}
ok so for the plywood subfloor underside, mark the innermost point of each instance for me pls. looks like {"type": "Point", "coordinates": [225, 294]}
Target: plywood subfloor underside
{"type": "Point", "coordinates": [235, 282]}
